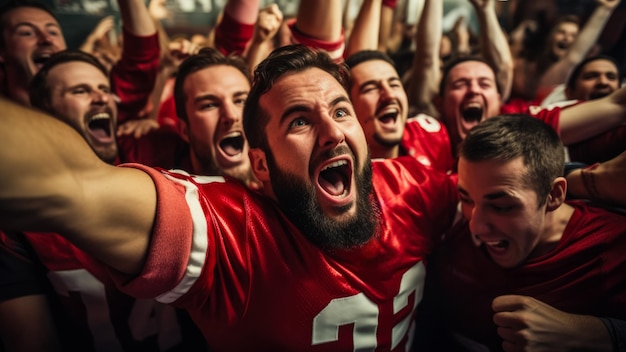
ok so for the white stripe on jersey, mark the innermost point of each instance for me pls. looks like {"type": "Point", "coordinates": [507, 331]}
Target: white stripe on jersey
{"type": "Point", "coordinates": [199, 237]}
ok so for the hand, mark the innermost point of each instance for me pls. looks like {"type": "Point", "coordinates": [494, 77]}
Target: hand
{"type": "Point", "coordinates": [157, 9]}
{"type": "Point", "coordinates": [178, 51]}
{"type": "Point", "coordinates": [137, 128]}
{"type": "Point", "coordinates": [527, 324]}
{"type": "Point", "coordinates": [268, 23]}
{"type": "Point", "coordinates": [103, 27]}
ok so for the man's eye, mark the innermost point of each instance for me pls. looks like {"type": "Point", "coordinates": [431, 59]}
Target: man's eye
{"type": "Point", "coordinates": [25, 32]}
{"type": "Point", "coordinates": [502, 209]}
{"type": "Point", "coordinates": [298, 123]}
{"type": "Point", "coordinates": [207, 106]}
{"type": "Point", "coordinates": [341, 113]}
{"type": "Point", "coordinates": [79, 91]}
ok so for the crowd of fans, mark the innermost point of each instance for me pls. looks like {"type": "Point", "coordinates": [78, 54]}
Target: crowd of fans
{"type": "Point", "coordinates": [332, 180]}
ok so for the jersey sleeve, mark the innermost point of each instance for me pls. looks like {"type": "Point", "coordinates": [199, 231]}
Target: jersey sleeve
{"type": "Point", "coordinates": [550, 116]}
{"type": "Point", "coordinates": [232, 36]}
{"type": "Point", "coordinates": [133, 77]}
{"type": "Point", "coordinates": [170, 241]}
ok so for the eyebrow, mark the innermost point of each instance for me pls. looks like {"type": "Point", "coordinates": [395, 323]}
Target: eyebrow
{"type": "Point", "coordinates": [215, 97]}
{"type": "Point", "coordinates": [28, 24]}
{"type": "Point", "coordinates": [304, 108]}
{"type": "Point", "coordinates": [489, 196]}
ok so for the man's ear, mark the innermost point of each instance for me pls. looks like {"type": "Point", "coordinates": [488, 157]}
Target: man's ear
{"type": "Point", "coordinates": [183, 130]}
{"type": "Point", "coordinates": [259, 164]}
{"type": "Point", "coordinates": [557, 194]}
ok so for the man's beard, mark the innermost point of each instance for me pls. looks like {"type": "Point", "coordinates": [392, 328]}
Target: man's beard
{"type": "Point", "coordinates": [299, 202]}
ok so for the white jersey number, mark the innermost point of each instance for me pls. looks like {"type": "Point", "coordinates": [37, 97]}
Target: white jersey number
{"type": "Point", "coordinates": [363, 313]}
{"type": "Point", "coordinates": [147, 317]}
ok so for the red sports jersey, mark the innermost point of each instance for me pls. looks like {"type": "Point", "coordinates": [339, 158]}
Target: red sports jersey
{"type": "Point", "coordinates": [252, 281]}
{"type": "Point", "coordinates": [427, 140]}
{"type": "Point", "coordinates": [584, 274]}
{"type": "Point", "coordinates": [100, 317]}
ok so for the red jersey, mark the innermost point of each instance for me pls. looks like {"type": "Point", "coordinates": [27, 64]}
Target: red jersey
{"type": "Point", "coordinates": [252, 281]}
{"type": "Point", "coordinates": [584, 274]}
{"type": "Point", "coordinates": [427, 140]}
{"type": "Point", "coordinates": [95, 315]}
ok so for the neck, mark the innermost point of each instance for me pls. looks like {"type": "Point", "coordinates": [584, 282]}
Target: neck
{"type": "Point", "coordinates": [383, 152]}
{"type": "Point", "coordinates": [16, 89]}
{"type": "Point", "coordinates": [555, 224]}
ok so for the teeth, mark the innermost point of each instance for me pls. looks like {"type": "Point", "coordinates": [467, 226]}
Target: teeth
{"type": "Point", "coordinates": [100, 116]}
{"type": "Point", "coordinates": [335, 164]}
{"type": "Point", "coordinates": [472, 105]}
{"type": "Point", "coordinates": [233, 134]}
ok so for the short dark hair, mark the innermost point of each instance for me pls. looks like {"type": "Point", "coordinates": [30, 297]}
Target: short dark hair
{"type": "Point", "coordinates": [283, 61]}
{"type": "Point", "coordinates": [367, 55]}
{"type": "Point", "coordinates": [507, 137]}
{"type": "Point", "coordinates": [459, 60]}
{"type": "Point", "coordinates": [571, 80]}
{"type": "Point", "coordinates": [39, 90]}
{"type": "Point", "coordinates": [206, 57]}
{"type": "Point", "coordinates": [11, 5]}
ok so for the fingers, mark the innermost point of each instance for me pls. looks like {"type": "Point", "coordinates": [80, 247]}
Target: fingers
{"type": "Point", "coordinates": [510, 303]}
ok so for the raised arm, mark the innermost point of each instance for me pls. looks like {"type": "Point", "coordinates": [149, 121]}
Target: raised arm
{"type": "Point", "coordinates": [593, 117]}
{"type": "Point", "coordinates": [236, 27]}
{"type": "Point", "coordinates": [425, 73]}
{"type": "Point", "coordinates": [318, 25]}
{"type": "Point", "coordinates": [53, 182]}
{"type": "Point", "coordinates": [135, 17]}
{"type": "Point", "coordinates": [494, 45]}
{"type": "Point", "coordinates": [364, 35]}
{"type": "Point", "coordinates": [586, 39]}
{"type": "Point", "coordinates": [267, 26]}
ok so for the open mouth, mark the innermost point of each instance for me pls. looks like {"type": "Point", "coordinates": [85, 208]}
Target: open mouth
{"type": "Point", "coordinates": [100, 126]}
{"type": "Point", "coordinates": [335, 178]}
{"type": "Point", "coordinates": [496, 246]}
{"type": "Point", "coordinates": [40, 59]}
{"type": "Point", "coordinates": [232, 145]}
{"type": "Point", "coordinates": [472, 112]}
{"type": "Point", "coordinates": [562, 45]}
{"type": "Point", "coordinates": [389, 115]}
{"type": "Point", "coordinates": [600, 93]}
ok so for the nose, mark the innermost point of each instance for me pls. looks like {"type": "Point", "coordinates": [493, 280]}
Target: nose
{"type": "Point", "coordinates": [478, 223]}
{"type": "Point", "coordinates": [230, 114]}
{"type": "Point", "coordinates": [100, 97]}
{"type": "Point", "coordinates": [386, 91]}
{"type": "Point", "coordinates": [603, 80]}
{"type": "Point", "coordinates": [44, 38]}
{"type": "Point", "coordinates": [330, 133]}
{"type": "Point", "coordinates": [474, 87]}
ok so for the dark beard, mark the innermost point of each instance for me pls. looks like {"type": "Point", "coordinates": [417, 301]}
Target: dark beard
{"type": "Point", "coordinates": [298, 201]}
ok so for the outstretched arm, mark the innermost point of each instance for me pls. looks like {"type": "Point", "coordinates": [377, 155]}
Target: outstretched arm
{"type": "Point", "coordinates": [588, 119]}
{"type": "Point", "coordinates": [494, 46]}
{"type": "Point", "coordinates": [585, 40]}
{"type": "Point", "coordinates": [604, 182]}
{"type": "Point", "coordinates": [525, 323]}
{"type": "Point", "coordinates": [53, 182]}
